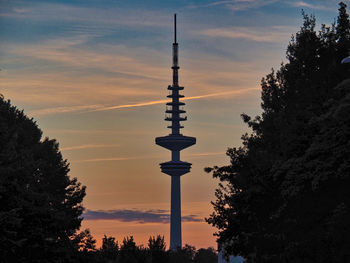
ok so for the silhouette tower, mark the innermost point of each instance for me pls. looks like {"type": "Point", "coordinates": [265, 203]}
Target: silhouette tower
{"type": "Point", "coordinates": [175, 142]}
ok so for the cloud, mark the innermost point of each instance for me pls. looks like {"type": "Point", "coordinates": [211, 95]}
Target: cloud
{"type": "Point", "coordinates": [108, 159]}
{"type": "Point", "coordinates": [238, 5]}
{"type": "Point", "coordinates": [60, 71]}
{"type": "Point", "coordinates": [234, 92]}
{"type": "Point", "coordinates": [100, 132]}
{"type": "Point", "coordinates": [149, 103]}
{"type": "Point", "coordinates": [96, 108]}
{"type": "Point", "coordinates": [117, 59]}
{"type": "Point", "coordinates": [275, 34]}
{"type": "Point", "coordinates": [75, 73]}
{"type": "Point", "coordinates": [49, 111]}
{"type": "Point", "coordinates": [302, 4]}
{"type": "Point", "coordinates": [103, 18]}
{"type": "Point", "coordinates": [20, 10]}
{"type": "Point", "coordinates": [89, 146]}
{"type": "Point", "coordinates": [139, 216]}
{"type": "Point", "coordinates": [241, 5]}
{"type": "Point", "coordinates": [204, 154]}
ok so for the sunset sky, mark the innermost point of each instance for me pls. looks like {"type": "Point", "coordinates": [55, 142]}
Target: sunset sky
{"type": "Point", "coordinates": [94, 75]}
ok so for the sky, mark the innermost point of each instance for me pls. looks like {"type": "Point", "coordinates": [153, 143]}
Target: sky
{"type": "Point", "coordinates": [94, 74]}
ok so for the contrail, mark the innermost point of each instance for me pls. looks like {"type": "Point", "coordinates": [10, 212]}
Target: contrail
{"type": "Point", "coordinates": [89, 146]}
{"type": "Point", "coordinates": [95, 108]}
{"type": "Point", "coordinates": [64, 109]}
{"type": "Point", "coordinates": [164, 101]}
{"type": "Point", "coordinates": [108, 159]}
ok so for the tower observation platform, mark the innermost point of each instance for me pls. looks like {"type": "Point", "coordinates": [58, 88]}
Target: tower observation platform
{"type": "Point", "coordinates": [175, 142]}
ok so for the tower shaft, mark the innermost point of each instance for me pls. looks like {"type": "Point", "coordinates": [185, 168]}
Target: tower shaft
{"type": "Point", "coordinates": [175, 217]}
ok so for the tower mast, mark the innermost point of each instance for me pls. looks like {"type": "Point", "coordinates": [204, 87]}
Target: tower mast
{"type": "Point", "coordinates": [175, 142]}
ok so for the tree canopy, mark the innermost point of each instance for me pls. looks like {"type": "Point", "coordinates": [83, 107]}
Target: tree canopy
{"type": "Point", "coordinates": [155, 252]}
{"type": "Point", "coordinates": [285, 195]}
{"type": "Point", "coordinates": [41, 205]}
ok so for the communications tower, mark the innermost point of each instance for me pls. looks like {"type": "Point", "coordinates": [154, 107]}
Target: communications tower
{"type": "Point", "coordinates": [175, 142]}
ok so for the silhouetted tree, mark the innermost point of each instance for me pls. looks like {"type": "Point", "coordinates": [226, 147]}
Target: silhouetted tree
{"type": "Point", "coordinates": [40, 204]}
{"type": "Point", "coordinates": [156, 243]}
{"type": "Point", "coordinates": [205, 256]}
{"type": "Point", "coordinates": [129, 252]}
{"type": "Point", "coordinates": [184, 255]}
{"type": "Point", "coordinates": [84, 241]}
{"type": "Point", "coordinates": [283, 197]}
{"type": "Point", "coordinates": [157, 249]}
{"type": "Point", "coordinates": [85, 245]}
{"type": "Point", "coordinates": [110, 248]}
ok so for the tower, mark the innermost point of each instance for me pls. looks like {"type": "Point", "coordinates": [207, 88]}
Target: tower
{"type": "Point", "coordinates": [175, 142]}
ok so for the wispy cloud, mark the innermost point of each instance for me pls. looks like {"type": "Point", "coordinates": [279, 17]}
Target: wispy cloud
{"type": "Point", "coordinates": [139, 216]}
{"type": "Point", "coordinates": [97, 74]}
{"type": "Point", "coordinates": [204, 154]}
{"type": "Point", "coordinates": [148, 103]}
{"type": "Point", "coordinates": [108, 58]}
{"type": "Point", "coordinates": [100, 132]}
{"type": "Point", "coordinates": [241, 5]}
{"type": "Point", "coordinates": [303, 4]}
{"type": "Point", "coordinates": [113, 16]}
{"type": "Point", "coordinates": [279, 34]}
{"type": "Point", "coordinates": [96, 108]}
{"type": "Point", "coordinates": [89, 146]}
{"type": "Point", "coordinates": [65, 109]}
{"type": "Point", "coordinates": [234, 92]}
{"type": "Point", "coordinates": [238, 5]}
{"type": "Point", "coordinates": [108, 159]}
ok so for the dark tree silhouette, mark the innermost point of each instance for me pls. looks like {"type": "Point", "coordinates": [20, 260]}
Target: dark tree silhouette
{"type": "Point", "coordinates": [156, 243]}
{"type": "Point", "coordinates": [185, 254]}
{"type": "Point", "coordinates": [284, 196]}
{"type": "Point", "coordinates": [110, 248]}
{"type": "Point", "coordinates": [157, 249]}
{"type": "Point", "coordinates": [129, 252]}
{"type": "Point", "coordinates": [40, 204]}
{"type": "Point", "coordinates": [84, 241]}
{"type": "Point", "coordinates": [205, 256]}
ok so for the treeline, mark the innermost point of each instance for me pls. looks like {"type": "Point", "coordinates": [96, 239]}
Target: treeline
{"type": "Point", "coordinates": [285, 195]}
{"type": "Point", "coordinates": [129, 252]}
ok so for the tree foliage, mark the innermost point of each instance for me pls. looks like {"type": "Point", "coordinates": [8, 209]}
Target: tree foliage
{"type": "Point", "coordinates": [284, 197]}
{"type": "Point", "coordinates": [109, 248]}
{"type": "Point", "coordinates": [155, 252]}
{"type": "Point", "coordinates": [40, 204]}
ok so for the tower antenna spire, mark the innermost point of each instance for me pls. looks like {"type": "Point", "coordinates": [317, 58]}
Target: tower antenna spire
{"type": "Point", "coordinates": [175, 28]}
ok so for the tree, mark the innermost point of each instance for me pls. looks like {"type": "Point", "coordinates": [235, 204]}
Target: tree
{"type": "Point", "coordinates": [84, 241]}
{"type": "Point", "coordinates": [183, 255]}
{"type": "Point", "coordinates": [156, 243]}
{"type": "Point", "coordinates": [281, 196]}
{"type": "Point", "coordinates": [157, 249]}
{"type": "Point", "coordinates": [205, 256]}
{"type": "Point", "coordinates": [129, 252]}
{"type": "Point", "coordinates": [40, 204]}
{"type": "Point", "coordinates": [110, 248]}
